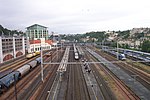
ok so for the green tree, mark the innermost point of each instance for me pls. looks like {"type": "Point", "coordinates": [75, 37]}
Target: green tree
{"type": "Point", "coordinates": [146, 46]}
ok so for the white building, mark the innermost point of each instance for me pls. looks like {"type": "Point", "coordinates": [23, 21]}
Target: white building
{"type": "Point", "coordinates": [11, 47]}
{"type": "Point", "coordinates": [37, 36]}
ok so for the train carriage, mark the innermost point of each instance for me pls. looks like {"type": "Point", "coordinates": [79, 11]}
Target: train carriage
{"type": "Point", "coordinates": [37, 52]}
{"type": "Point", "coordinates": [38, 60]}
{"type": "Point", "coordinates": [23, 70]}
{"type": "Point", "coordinates": [76, 55]}
{"type": "Point", "coordinates": [8, 80]}
{"type": "Point", "coordinates": [33, 63]}
{"type": "Point", "coordinates": [30, 55]}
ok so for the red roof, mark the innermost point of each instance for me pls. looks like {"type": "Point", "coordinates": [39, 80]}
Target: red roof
{"type": "Point", "coordinates": [49, 41]}
{"type": "Point", "coordinates": [35, 41]}
{"type": "Point", "coordinates": [39, 41]}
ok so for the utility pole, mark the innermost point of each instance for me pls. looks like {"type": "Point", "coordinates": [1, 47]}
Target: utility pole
{"type": "Point", "coordinates": [15, 86]}
{"type": "Point", "coordinates": [117, 51]}
{"type": "Point", "coordinates": [42, 64]}
{"type": "Point", "coordinates": [57, 51]}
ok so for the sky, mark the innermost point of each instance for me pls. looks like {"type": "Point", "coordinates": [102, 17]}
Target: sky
{"type": "Point", "coordinates": [75, 16]}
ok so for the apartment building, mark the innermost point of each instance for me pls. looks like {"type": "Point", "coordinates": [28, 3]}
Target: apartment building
{"type": "Point", "coordinates": [11, 47]}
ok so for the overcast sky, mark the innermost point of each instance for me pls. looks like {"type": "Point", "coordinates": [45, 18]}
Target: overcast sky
{"type": "Point", "coordinates": [75, 16]}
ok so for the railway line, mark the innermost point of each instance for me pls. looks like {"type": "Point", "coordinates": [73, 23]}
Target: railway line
{"type": "Point", "coordinates": [8, 68]}
{"type": "Point", "coordinates": [76, 78]}
{"type": "Point", "coordinates": [43, 90]}
{"type": "Point", "coordinates": [107, 78]}
{"type": "Point", "coordinates": [134, 85]}
{"type": "Point", "coordinates": [106, 92]}
{"type": "Point", "coordinates": [22, 85]}
{"type": "Point", "coordinates": [15, 65]}
{"type": "Point", "coordinates": [4, 65]}
{"type": "Point", "coordinates": [142, 77]}
{"type": "Point", "coordinates": [39, 87]}
{"type": "Point", "coordinates": [77, 87]}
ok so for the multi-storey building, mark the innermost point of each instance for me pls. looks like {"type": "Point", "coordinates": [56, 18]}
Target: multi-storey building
{"type": "Point", "coordinates": [37, 36]}
{"type": "Point", "coordinates": [11, 47]}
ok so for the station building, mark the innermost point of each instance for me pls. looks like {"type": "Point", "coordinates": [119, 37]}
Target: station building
{"type": "Point", "coordinates": [11, 47]}
{"type": "Point", "coordinates": [37, 36]}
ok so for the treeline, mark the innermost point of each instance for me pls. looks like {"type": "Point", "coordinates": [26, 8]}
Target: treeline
{"type": "Point", "coordinates": [7, 32]}
{"type": "Point", "coordinates": [99, 36]}
{"type": "Point", "coordinates": [146, 46]}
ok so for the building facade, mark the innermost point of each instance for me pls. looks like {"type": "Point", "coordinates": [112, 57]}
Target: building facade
{"type": "Point", "coordinates": [37, 36]}
{"type": "Point", "coordinates": [11, 47]}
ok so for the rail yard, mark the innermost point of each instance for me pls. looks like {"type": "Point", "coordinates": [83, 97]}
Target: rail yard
{"type": "Point", "coordinates": [75, 72]}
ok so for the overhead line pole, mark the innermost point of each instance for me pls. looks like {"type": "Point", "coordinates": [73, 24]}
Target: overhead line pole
{"type": "Point", "coordinates": [117, 51]}
{"type": "Point", "coordinates": [42, 64]}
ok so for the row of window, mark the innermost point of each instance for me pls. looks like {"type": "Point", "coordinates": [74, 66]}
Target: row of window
{"type": "Point", "coordinates": [7, 47]}
{"type": "Point", "coordinates": [18, 49]}
{"type": "Point", "coordinates": [37, 35]}
{"type": "Point", "coordinates": [38, 49]}
{"type": "Point", "coordinates": [3, 40]}
{"type": "Point", "coordinates": [6, 40]}
{"type": "Point", "coordinates": [7, 51]}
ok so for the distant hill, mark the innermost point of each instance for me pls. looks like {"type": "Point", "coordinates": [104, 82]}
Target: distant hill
{"type": "Point", "coordinates": [7, 32]}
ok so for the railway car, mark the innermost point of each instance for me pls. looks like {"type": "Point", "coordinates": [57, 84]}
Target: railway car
{"type": "Point", "coordinates": [38, 60]}
{"type": "Point", "coordinates": [33, 63]}
{"type": "Point", "coordinates": [34, 54]}
{"type": "Point", "coordinates": [138, 55]}
{"type": "Point", "coordinates": [8, 80]}
{"type": "Point", "coordinates": [30, 55]}
{"type": "Point", "coordinates": [122, 57]}
{"type": "Point", "coordinates": [76, 56]}
{"type": "Point", "coordinates": [23, 70]}
{"type": "Point", "coordinates": [37, 52]}
{"type": "Point", "coordinates": [2, 74]}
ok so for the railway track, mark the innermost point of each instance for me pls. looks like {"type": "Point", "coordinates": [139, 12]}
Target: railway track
{"type": "Point", "coordinates": [15, 65]}
{"type": "Point", "coordinates": [126, 93]}
{"type": "Point", "coordinates": [106, 92]}
{"type": "Point", "coordinates": [42, 92]}
{"type": "Point", "coordinates": [76, 85]}
{"type": "Point", "coordinates": [134, 85]}
{"type": "Point", "coordinates": [83, 86]}
{"type": "Point", "coordinates": [23, 84]}
{"type": "Point", "coordinates": [140, 76]}
{"type": "Point", "coordinates": [4, 65]}
{"type": "Point", "coordinates": [38, 91]}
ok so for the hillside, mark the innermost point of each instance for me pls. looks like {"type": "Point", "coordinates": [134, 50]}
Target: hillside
{"type": "Point", "coordinates": [7, 32]}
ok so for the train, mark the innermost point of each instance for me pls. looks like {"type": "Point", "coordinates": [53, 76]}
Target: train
{"type": "Point", "coordinates": [80, 51]}
{"type": "Point", "coordinates": [76, 54]}
{"type": "Point", "coordinates": [142, 56]}
{"type": "Point", "coordinates": [121, 56]}
{"type": "Point", "coordinates": [30, 55]}
{"type": "Point", "coordinates": [138, 55]}
{"type": "Point", "coordinates": [8, 80]}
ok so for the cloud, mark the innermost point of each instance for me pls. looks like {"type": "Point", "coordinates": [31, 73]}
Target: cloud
{"type": "Point", "coordinates": [75, 16]}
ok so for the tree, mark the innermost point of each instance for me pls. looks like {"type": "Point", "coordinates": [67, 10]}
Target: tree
{"type": "Point", "coordinates": [146, 46]}
{"type": "Point", "coordinates": [8, 32]}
